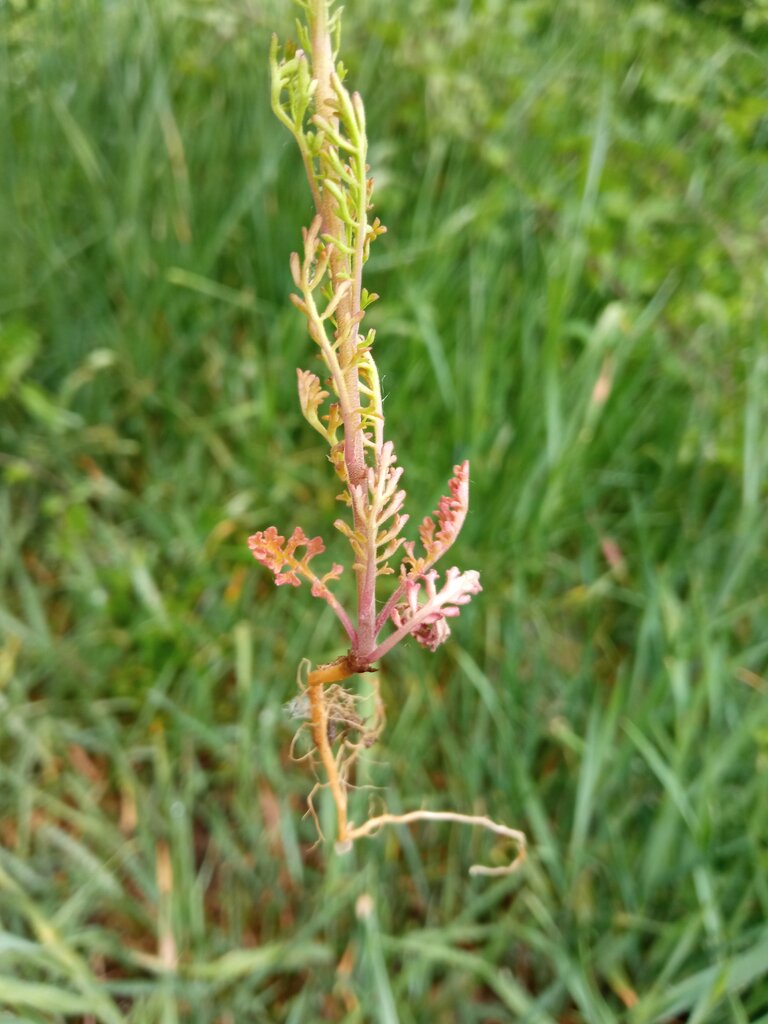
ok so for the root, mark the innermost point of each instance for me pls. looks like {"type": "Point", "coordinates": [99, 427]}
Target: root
{"type": "Point", "coordinates": [373, 825]}
{"type": "Point", "coordinates": [319, 718]}
{"type": "Point", "coordinates": [312, 813]}
{"type": "Point", "coordinates": [333, 717]}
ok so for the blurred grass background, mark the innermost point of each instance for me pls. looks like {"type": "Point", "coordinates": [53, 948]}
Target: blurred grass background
{"type": "Point", "coordinates": [574, 297]}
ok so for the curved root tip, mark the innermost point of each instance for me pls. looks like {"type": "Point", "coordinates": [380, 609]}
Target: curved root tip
{"type": "Point", "coordinates": [343, 846]}
{"type": "Point", "coordinates": [508, 869]}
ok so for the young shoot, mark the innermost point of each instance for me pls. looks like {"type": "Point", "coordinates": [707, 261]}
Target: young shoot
{"type": "Point", "coordinates": [344, 405]}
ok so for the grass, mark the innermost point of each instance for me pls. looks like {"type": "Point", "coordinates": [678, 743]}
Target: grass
{"type": "Point", "coordinates": [573, 297]}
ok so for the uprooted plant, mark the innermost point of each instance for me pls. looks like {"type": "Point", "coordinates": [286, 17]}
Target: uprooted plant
{"type": "Point", "coordinates": [328, 123]}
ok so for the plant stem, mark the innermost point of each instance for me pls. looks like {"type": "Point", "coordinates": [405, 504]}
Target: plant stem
{"type": "Point", "coordinates": [344, 267]}
{"type": "Point", "coordinates": [322, 72]}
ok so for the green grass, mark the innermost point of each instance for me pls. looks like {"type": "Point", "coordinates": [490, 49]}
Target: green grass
{"type": "Point", "coordinates": [573, 296]}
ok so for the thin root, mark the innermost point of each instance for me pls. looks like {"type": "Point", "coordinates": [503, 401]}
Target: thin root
{"type": "Point", "coordinates": [313, 814]}
{"type": "Point", "coordinates": [372, 825]}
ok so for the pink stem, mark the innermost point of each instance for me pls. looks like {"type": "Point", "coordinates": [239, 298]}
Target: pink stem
{"type": "Point", "coordinates": [399, 634]}
{"type": "Point", "coordinates": [344, 619]}
{"type": "Point", "coordinates": [386, 611]}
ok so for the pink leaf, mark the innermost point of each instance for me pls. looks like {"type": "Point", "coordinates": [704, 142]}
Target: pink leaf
{"type": "Point", "coordinates": [287, 577]}
{"type": "Point", "coordinates": [266, 547]}
{"type": "Point", "coordinates": [426, 621]}
{"type": "Point", "coordinates": [320, 586]}
{"type": "Point", "coordinates": [273, 551]}
{"type": "Point", "coordinates": [451, 511]}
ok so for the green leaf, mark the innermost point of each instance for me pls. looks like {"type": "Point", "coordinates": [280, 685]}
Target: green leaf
{"type": "Point", "coordinates": [19, 344]}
